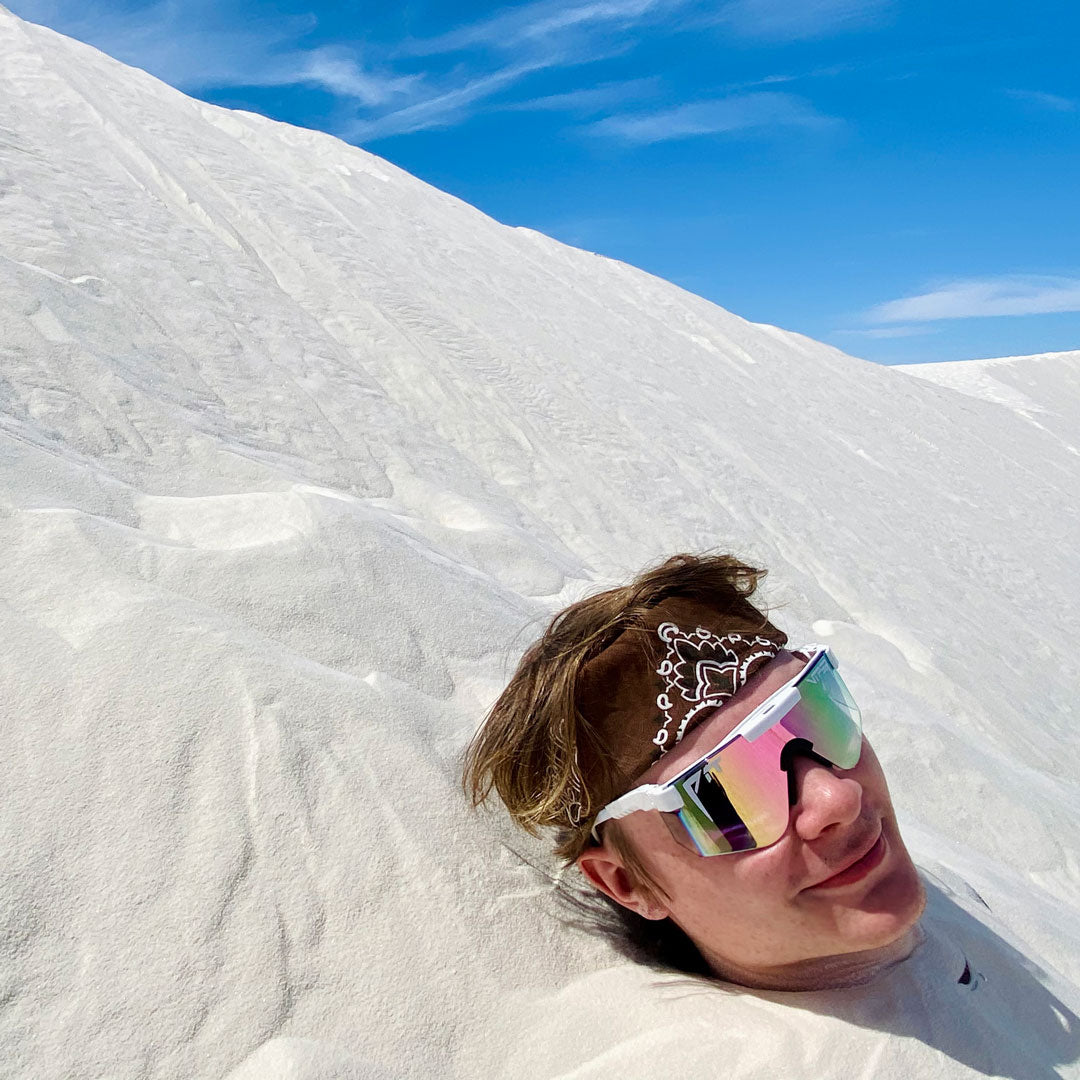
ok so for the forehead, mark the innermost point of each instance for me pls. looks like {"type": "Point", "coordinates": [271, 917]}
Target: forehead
{"type": "Point", "coordinates": [705, 735]}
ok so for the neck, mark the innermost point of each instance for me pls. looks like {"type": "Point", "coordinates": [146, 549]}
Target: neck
{"type": "Point", "coordinates": [821, 972]}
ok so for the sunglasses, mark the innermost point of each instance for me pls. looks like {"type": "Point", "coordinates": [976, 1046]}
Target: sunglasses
{"type": "Point", "coordinates": [738, 796]}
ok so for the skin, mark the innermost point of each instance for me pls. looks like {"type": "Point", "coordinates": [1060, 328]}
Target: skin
{"type": "Point", "coordinates": [768, 918]}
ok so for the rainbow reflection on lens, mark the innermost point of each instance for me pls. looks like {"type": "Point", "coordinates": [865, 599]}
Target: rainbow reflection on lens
{"type": "Point", "coordinates": [737, 799]}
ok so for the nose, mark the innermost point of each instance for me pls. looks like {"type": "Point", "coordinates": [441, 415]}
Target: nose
{"type": "Point", "coordinates": [826, 798]}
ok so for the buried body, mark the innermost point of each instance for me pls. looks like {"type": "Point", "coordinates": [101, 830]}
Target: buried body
{"type": "Point", "coordinates": [711, 782]}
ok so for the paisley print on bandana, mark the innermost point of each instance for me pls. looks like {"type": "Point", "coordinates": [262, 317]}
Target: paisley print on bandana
{"type": "Point", "coordinates": [703, 670]}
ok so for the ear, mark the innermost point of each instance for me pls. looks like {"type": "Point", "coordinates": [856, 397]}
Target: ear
{"type": "Point", "coordinates": [605, 870]}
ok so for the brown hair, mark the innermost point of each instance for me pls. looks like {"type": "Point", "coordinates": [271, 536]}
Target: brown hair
{"type": "Point", "coordinates": [545, 758]}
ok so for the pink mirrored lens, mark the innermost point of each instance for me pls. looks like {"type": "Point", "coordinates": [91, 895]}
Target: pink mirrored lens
{"type": "Point", "coordinates": [738, 800]}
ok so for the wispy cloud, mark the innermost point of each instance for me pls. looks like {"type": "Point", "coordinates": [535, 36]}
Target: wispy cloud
{"type": "Point", "coordinates": [342, 75]}
{"type": "Point", "coordinates": [544, 25]}
{"type": "Point", "coordinates": [197, 45]}
{"type": "Point", "coordinates": [590, 99]}
{"type": "Point", "coordinates": [779, 20]}
{"type": "Point", "coordinates": [439, 110]}
{"type": "Point", "coordinates": [885, 332]}
{"type": "Point", "coordinates": [1053, 102]}
{"type": "Point", "coordinates": [532, 37]}
{"type": "Point", "coordinates": [976, 297]}
{"type": "Point", "coordinates": [738, 113]}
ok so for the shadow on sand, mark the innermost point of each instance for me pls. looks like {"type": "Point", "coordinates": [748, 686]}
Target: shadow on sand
{"type": "Point", "coordinates": [1000, 1020]}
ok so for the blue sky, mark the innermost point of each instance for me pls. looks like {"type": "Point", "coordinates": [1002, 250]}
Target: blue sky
{"type": "Point", "coordinates": [896, 177]}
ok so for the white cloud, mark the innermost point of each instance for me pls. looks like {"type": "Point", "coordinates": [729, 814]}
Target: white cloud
{"type": "Point", "coordinates": [543, 23]}
{"type": "Point", "coordinates": [439, 110]}
{"type": "Point", "coordinates": [590, 99]}
{"type": "Point", "coordinates": [1054, 102]}
{"type": "Point", "coordinates": [792, 19]}
{"type": "Point", "coordinates": [977, 297]}
{"type": "Point", "coordinates": [342, 75]}
{"type": "Point", "coordinates": [197, 45]}
{"type": "Point", "coordinates": [741, 112]}
{"type": "Point", "coordinates": [533, 37]}
{"type": "Point", "coordinates": [882, 332]}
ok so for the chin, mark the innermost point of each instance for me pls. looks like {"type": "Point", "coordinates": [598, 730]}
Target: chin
{"type": "Point", "coordinates": [888, 912]}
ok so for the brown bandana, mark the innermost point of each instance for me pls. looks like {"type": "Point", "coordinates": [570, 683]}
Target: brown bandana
{"type": "Point", "coordinates": [646, 689]}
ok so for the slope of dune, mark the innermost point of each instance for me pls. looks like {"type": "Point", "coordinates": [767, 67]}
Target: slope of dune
{"type": "Point", "coordinates": [1043, 388]}
{"type": "Point", "coordinates": [296, 454]}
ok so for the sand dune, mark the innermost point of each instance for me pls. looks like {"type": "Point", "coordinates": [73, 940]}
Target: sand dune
{"type": "Point", "coordinates": [296, 454]}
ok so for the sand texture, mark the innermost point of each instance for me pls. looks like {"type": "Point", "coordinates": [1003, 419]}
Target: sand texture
{"type": "Point", "coordinates": [296, 455]}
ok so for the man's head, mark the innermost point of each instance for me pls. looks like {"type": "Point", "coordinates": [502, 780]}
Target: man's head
{"type": "Point", "coordinates": [632, 686]}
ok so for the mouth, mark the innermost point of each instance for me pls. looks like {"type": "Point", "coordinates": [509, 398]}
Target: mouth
{"type": "Point", "coordinates": [857, 869]}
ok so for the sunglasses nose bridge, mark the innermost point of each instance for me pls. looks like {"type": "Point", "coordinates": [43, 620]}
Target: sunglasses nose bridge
{"type": "Point", "coordinates": [792, 749]}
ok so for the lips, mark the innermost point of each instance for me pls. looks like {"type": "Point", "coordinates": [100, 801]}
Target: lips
{"type": "Point", "coordinates": [857, 869]}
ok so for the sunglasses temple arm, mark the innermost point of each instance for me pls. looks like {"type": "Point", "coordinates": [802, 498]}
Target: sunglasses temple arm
{"type": "Point", "coordinates": [646, 797]}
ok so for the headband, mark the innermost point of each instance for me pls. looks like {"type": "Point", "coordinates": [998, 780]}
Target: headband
{"type": "Point", "coordinates": [642, 693]}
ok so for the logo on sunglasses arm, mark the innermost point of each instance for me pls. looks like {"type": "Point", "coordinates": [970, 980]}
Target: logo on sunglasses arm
{"type": "Point", "coordinates": [704, 670]}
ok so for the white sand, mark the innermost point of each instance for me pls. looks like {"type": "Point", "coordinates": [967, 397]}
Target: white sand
{"type": "Point", "coordinates": [296, 453]}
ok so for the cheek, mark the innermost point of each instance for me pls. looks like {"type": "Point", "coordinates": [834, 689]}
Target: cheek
{"type": "Point", "coordinates": [869, 774]}
{"type": "Point", "coordinates": [739, 888]}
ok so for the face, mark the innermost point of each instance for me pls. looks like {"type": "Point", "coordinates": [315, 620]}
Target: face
{"type": "Point", "coordinates": [839, 881]}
